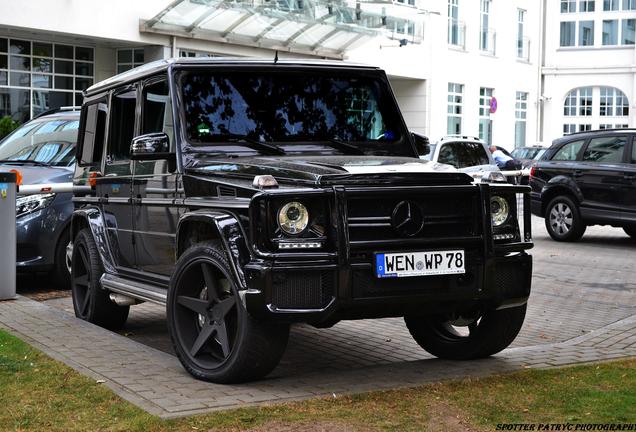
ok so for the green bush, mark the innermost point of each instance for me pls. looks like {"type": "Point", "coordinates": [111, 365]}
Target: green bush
{"type": "Point", "coordinates": [7, 125]}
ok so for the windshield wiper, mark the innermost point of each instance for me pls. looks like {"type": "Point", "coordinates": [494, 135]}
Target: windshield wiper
{"type": "Point", "coordinates": [263, 147]}
{"type": "Point", "coordinates": [21, 162]}
{"type": "Point", "coordinates": [345, 147]}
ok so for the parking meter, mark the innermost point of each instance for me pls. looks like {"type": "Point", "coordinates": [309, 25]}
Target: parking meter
{"type": "Point", "coordinates": [7, 235]}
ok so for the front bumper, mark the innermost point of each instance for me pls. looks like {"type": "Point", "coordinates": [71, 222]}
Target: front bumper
{"type": "Point", "coordinates": [324, 292]}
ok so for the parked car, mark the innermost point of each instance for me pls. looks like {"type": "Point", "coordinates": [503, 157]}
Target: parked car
{"type": "Point", "coordinates": [528, 155]}
{"type": "Point", "coordinates": [467, 154]}
{"type": "Point", "coordinates": [264, 193]}
{"type": "Point", "coordinates": [43, 150]}
{"type": "Point", "coordinates": [586, 178]}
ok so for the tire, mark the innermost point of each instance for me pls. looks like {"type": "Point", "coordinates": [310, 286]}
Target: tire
{"type": "Point", "coordinates": [213, 335]}
{"type": "Point", "coordinates": [90, 301]}
{"type": "Point", "coordinates": [630, 231]}
{"type": "Point", "coordinates": [61, 266]}
{"type": "Point", "coordinates": [492, 332]}
{"type": "Point", "coordinates": [563, 220]}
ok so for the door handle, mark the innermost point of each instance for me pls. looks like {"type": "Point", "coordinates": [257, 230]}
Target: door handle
{"type": "Point", "coordinates": [629, 176]}
{"type": "Point", "coordinates": [111, 175]}
{"type": "Point", "coordinates": [577, 173]}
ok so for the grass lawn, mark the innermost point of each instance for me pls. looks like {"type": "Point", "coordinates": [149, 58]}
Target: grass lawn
{"type": "Point", "coordinates": [38, 393]}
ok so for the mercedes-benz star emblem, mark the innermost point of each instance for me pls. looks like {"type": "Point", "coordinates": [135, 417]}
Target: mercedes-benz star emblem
{"type": "Point", "coordinates": [407, 218]}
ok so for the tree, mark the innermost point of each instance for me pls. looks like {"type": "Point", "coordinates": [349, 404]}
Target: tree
{"type": "Point", "coordinates": [7, 125]}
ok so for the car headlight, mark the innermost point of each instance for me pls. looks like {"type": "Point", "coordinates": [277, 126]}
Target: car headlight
{"type": "Point", "coordinates": [499, 210]}
{"type": "Point", "coordinates": [293, 218]}
{"type": "Point", "coordinates": [30, 203]}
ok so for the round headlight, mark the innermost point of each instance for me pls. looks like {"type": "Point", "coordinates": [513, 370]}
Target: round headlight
{"type": "Point", "coordinates": [499, 210]}
{"type": "Point", "coordinates": [293, 218]}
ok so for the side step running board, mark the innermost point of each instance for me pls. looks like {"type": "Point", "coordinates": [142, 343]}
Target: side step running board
{"type": "Point", "coordinates": [135, 289]}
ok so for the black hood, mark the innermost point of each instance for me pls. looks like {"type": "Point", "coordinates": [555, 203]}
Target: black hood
{"type": "Point", "coordinates": [293, 171]}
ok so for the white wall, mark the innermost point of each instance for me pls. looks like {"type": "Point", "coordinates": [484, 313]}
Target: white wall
{"type": "Point", "coordinates": [567, 68]}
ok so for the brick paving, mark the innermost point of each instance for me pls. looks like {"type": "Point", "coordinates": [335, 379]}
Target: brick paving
{"type": "Point", "coordinates": [583, 308]}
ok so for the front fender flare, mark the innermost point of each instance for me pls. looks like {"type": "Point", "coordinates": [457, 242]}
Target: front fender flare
{"type": "Point", "coordinates": [229, 230]}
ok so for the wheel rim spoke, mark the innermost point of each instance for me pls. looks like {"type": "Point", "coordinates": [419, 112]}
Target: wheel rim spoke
{"type": "Point", "coordinates": [210, 282]}
{"type": "Point", "coordinates": [222, 338]}
{"type": "Point", "coordinates": [82, 280]}
{"type": "Point", "coordinates": [194, 304]}
{"type": "Point", "coordinates": [207, 331]}
{"type": "Point", "coordinates": [84, 258]}
{"type": "Point", "coordinates": [224, 307]}
{"type": "Point", "coordinates": [87, 300]}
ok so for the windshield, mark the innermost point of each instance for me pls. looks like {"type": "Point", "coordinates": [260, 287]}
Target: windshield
{"type": "Point", "coordinates": [43, 142]}
{"type": "Point", "coordinates": [292, 108]}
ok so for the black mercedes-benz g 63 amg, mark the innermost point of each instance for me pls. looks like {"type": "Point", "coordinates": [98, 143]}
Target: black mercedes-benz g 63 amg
{"type": "Point", "coordinates": [247, 195]}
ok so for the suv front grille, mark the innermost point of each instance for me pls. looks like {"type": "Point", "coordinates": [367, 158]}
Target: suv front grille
{"type": "Point", "coordinates": [456, 215]}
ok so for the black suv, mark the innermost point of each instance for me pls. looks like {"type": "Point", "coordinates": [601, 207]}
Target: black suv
{"type": "Point", "coordinates": [587, 178]}
{"type": "Point", "coordinates": [247, 195]}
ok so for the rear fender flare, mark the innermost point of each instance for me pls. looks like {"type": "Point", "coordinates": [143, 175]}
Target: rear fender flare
{"type": "Point", "coordinates": [92, 218]}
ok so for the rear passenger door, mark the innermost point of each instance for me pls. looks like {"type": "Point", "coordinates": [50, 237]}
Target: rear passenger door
{"type": "Point", "coordinates": [600, 176]}
{"type": "Point", "coordinates": [114, 188]}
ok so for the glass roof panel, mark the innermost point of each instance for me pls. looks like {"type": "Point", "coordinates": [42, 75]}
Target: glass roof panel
{"type": "Point", "coordinates": [324, 27]}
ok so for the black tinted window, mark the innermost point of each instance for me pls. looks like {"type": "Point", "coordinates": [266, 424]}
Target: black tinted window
{"type": "Point", "coordinates": [605, 149]}
{"type": "Point", "coordinates": [122, 125]}
{"type": "Point", "coordinates": [156, 109]}
{"type": "Point", "coordinates": [569, 151]}
{"type": "Point", "coordinates": [94, 131]}
{"type": "Point", "coordinates": [463, 154]}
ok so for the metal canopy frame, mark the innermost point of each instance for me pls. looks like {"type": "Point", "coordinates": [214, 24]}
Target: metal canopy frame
{"type": "Point", "coordinates": [325, 28]}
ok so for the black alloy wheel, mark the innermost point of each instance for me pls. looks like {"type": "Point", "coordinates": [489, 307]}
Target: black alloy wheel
{"type": "Point", "coordinates": [212, 333]}
{"type": "Point", "coordinates": [62, 262]}
{"type": "Point", "coordinates": [563, 220]}
{"type": "Point", "coordinates": [90, 302]}
{"type": "Point", "coordinates": [465, 338]}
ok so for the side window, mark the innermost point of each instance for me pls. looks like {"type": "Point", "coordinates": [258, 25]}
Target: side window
{"type": "Point", "coordinates": [122, 125]}
{"type": "Point", "coordinates": [157, 110]}
{"type": "Point", "coordinates": [606, 149]}
{"type": "Point", "coordinates": [447, 155]}
{"type": "Point", "coordinates": [569, 151]}
{"type": "Point", "coordinates": [478, 153]}
{"type": "Point", "coordinates": [634, 150]}
{"type": "Point", "coordinates": [94, 131]}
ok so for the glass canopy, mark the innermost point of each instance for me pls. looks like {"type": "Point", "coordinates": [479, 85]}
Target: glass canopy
{"type": "Point", "coordinates": [318, 27]}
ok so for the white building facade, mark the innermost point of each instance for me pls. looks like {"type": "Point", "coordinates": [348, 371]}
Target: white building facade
{"type": "Point", "coordinates": [466, 67]}
{"type": "Point", "coordinates": [589, 67]}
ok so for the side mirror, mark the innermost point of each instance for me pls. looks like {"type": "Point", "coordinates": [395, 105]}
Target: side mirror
{"type": "Point", "coordinates": [422, 144]}
{"type": "Point", "coordinates": [152, 146]}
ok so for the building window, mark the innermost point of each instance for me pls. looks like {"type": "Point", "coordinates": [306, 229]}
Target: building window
{"type": "Point", "coordinates": [586, 33]}
{"type": "Point", "coordinates": [629, 4]}
{"type": "Point", "coordinates": [455, 101]}
{"type": "Point", "coordinates": [628, 31]}
{"type": "Point", "coordinates": [585, 127]}
{"type": "Point", "coordinates": [568, 6]}
{"type": "Point", "coordinates": [485, 123]}
{"type": "Point", "coordinates": [455, 27]}
{"type": "Point", "coordinates": [610, 5]}
{"type": "Point", "coordinates": [569, 128]}
{"type": "Point", "coordinates": [568, 37]}
{"type": "Point", "coordinates": [523, 45]}
{"type": "Point", "coordinates": [586, 5]}
{"type": "Point", "coordinates": [604, 126]}
{"type": "Point", "coordinates": [39, 76]}
{"type": "Point", "coordinates": [521, 111]}
{"type": "Point", "coordinates": [128, 58]}
{"type": "Point", "coordinates": [190, 53]}
{"type": "Point", "coordinates": [578, 102]}
{"type": "Point", "coordinates": [484, 34]}
{"type": "Point", "coordinates": [569, 107]}
{"type": "Point", "coordinates": [613, 103]}
{"type": "Point", "coordinates": [610, 32]}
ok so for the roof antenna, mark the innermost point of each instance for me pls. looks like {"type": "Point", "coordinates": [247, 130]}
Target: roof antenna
{"type": "Point", "coordinates": [276, 57]}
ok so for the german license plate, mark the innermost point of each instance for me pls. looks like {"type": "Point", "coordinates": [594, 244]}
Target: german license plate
{"type": "Point", "coordinates": [405, 264]}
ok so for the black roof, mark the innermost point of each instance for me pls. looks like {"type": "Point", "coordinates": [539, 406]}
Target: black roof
{"type": "Point", "coordinates": [591, 133]}
{"type": "Point", "coordinates": [158, 66]}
